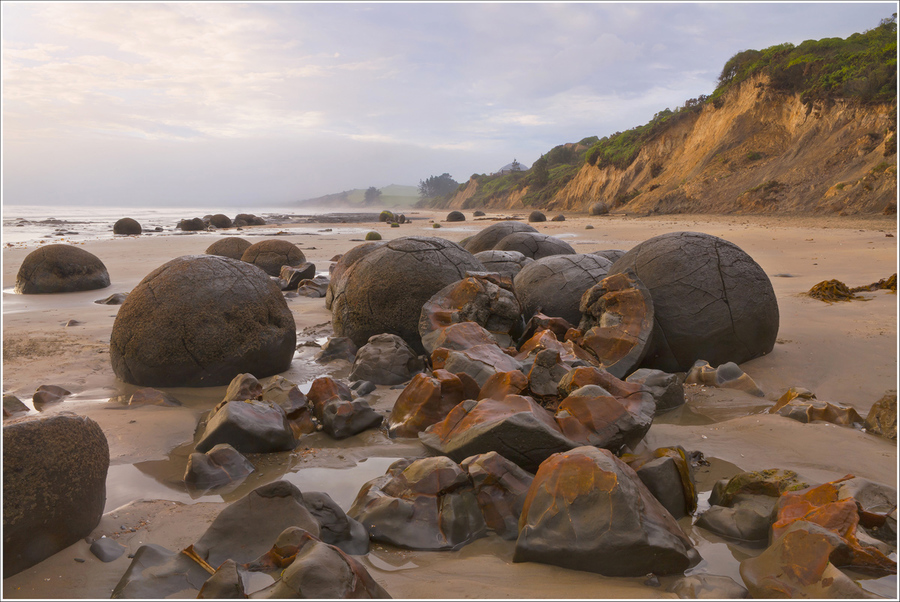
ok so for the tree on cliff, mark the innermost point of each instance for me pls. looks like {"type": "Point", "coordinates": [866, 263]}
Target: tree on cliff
{"type": "Point", "coordinates": [436, 186]}
{"type": "Point", "coordinates": [372, 195]}
{"type": "Point", "coordinates": [540, 172]}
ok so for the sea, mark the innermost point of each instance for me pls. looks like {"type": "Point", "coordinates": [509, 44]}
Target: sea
{"type": "Point", "coordinates": [31, 225]}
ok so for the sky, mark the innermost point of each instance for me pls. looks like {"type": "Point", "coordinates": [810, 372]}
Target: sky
{"type": "Point", "coordinates": [227, 104]}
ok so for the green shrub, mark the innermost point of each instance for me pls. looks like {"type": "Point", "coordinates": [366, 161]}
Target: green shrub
{"type": "Point", "coordinates": [373, 236]}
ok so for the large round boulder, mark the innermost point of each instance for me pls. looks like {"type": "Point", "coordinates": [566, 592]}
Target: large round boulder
{"type": "Point", "coordinates": [230, 246]}
{"type": "Point", "coordinates": [534, 245]}
{"type": "Point", "coordinates": [344, 263]}
{"type": "Point", "coordinates": [384, 291]}
{"type": "Point", "coordinates": [220, 220]}
{"type": "Point", "coordinates": [54, 486]}
{"type": "Point", "coordinates": [490, 236]}
{"type": "Point", "coordinates": [127, 225]}
{"type": "Point", "coordinates": [456, 216]}
{"type": "Point", "coordinates": [199, 321]}
{"type": "Point", "coordinates": [711, 301]}
{"type": "Point", "coordinates": [505, 263]}
{"type": "Point", "coordinates": [270, 255]}
{"type": "Point", "coordinates": [537, 216]}
{"type": "Point", "coordinates": [554, 285]}
{"type": "Point", "coordinates": [60, 269]}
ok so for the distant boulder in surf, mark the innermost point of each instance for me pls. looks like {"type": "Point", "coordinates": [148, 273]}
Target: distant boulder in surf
{"type": "Point", "coordinates": [200, 320]}
{"type": "Point", "coordinates": [127, 225]}
{"type": "Point", "coordinates": [195, 224]}
{"type": "Point", "coordinates": [60, 269]}
{"type": "Point", "coordinates": [247, 219]}
{"type": "Point", "coordinates": [220, 220]}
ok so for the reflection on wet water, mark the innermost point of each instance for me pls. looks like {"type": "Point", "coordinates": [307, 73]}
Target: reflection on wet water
{"type": "Point", "coordinates": [709, 406]}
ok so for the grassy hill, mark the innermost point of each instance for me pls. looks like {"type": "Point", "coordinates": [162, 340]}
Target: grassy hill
{"type": "Point", "coordinates": [395, 195]}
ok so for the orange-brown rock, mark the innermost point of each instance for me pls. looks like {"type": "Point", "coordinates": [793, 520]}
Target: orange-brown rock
{"type": "Point", "coordinates": [426, 400]}
{"type": "Point", "coordinates": [588, 375]}
{"type": "Point", "coordinates": [461, 335]}
{"type": "Point", "coordinates": [605, 421]}
{"type": "Point", "coordinates": [516, 427]}
{"type": "Point", "coordinates": [540, 321]}
{"type": "Point", "coordinates": [802, 405]}
{"type": "Point", "coordinates": [480, 362]}
{"type": "Point", "coordinates": [502, 384]}
{"type": "Point", "coordinates": [617, 321]}
{"type": "Point", "coordinates": [821, 506]}
{"type": "Point", "coordinates": [587, 510]}
{"type": "Point", "coordinates": [568, 351]}
{"type": "Point", "coordinates": [324, 389]}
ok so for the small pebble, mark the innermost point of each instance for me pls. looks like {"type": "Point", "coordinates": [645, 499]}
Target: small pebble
{"type": "Point", "coordinates": [79, 560]}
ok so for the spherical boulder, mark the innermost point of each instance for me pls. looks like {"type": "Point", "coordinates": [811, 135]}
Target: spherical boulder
{"type": "Point", "coordinates": [230, 246]}
{"type": "Point", "coordinates": [537, 216]}
{"type": "Point", "coordinates": [126, 225]}
{"type": "Point", "coordinates": [384, 291]}
{"type": "Point", "coordinates": [344, 263]}
{"type": "Point", "coordinates": [270, 255]}
{"type": "Point", "coordinates": [54, 486]}
{"type": "Point", "coordinates": [599, 208]}
{"type": "Point", "coordinates": [711, 300]}
{"type": "Point", "coordinates": [506, 263]}
{"type": "Point", "coordinates": [200, 320]}
{"type": "Point", "coordinates": [456, 216]}
{"type": "Point", "coordinates": [554, 285]}
{"type": "Point", "coordinates": [194, 224]}
{"type": "Point", "coordinates": [611, 254]}
{"type": "Point", "coordinates": [60, 269]}
{"type": "Point", "coordinates": [490, 236]}
{"type": "Point", "coordinates": [220, 220]}
{"type": "Point", "coordinates": [534, 245]}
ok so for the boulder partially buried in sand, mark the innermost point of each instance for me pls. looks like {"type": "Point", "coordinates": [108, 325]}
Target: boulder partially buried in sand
{"type": "Point", "coordinates": [54, 486]}
{"type": "Point", "coordinates": [384, 291]}
{"type": "Point", "coordinates": [711, 300]}
{"type": "Point", "coordinates": [534, 245]}
{"type": "Point", "coordinates": [198, 321]}
{"type": "Point", "coordinates": [127, 225]}
{"type": "Point", "coordinates": [60, 269]}
{"type": "Point", "coordinates": [587, 510]}
{"type": "Point", "coordinates": [230, 246]}
{"type": "Point", "coordinates": [489, 237]}
{"type": "Point", "coordinates": [270, 255]}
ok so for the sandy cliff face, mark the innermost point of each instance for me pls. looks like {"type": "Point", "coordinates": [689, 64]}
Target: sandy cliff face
{"type": "Point", "coordinates": [759, 152]}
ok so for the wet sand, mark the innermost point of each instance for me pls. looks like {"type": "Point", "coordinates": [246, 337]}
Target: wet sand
{"type": "Point", "coordinates": [844, 352]}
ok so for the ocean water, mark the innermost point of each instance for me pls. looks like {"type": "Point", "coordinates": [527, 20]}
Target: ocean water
{"type": "Point", "coordinates": [33, 225]}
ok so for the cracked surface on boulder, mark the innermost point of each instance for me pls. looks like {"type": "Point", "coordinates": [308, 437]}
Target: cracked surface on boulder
{"type": "Point", "coordinates": [489, 237]}
{"type": "Point", "coordinates": [554, 285]}
{"type": "Point", "coordinates": [711, 300]}
{"type": "Point", "coordinates": [60, 269]}
{"type": "Point", "coordinates": [534, 245]}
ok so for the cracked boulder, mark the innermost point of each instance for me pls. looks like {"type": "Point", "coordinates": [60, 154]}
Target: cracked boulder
{"type": "Point", "coordinates": [199, 320]}
{"type": "Point", "coordinates": [340, 415]}
{"type": "Point", "coordinates": [488, 238]}
{"type": "Point", "coordinates": [271, 255]}
{"type": "Point", "coordinates": [54, 485]}
{"type": "Point", "coordinates": [554, 285]}
{"type": "Point", "coordinates": [386, 359]}
{"type": "Point", "coordinates": [232, 247]}
{"type": "Point", "coordinates": [505, 263]}
{"type": "Point", "coordinates": [516, 427]}
{"type": "Point", "coordinates": [294, 275]}
{"type": "Point", "coordinates": [427, 400]}
{"type": "Point", "coordinates": [60, 269]}
{"type": "Point", "coordinates": [220, 466]}
{"type": "Point", "coordinates": [587, 510]}
{"type": "Point", "coordinates": [534, 245]}
{"type": "Point", "coordinates": [668, 474]}
{"type": "Point", "coordinates": [250, 426]}
{"type": "Point", "coordinates": [344, 262]}
{"type": "Point", "coordinates": [617, 321]}
{"type": "Point", "coordinates": [471, 299]}
{"type": "Point", "coordinates": [710, 300]}
{"type": "Point", "coordinates": [592, 415]}
{"type": "Point", "coordinates": [426, 504]}
{"type": "Point", "coordinates": [667, 389]}
{"type": "Point", "coordinates": [384, 291]}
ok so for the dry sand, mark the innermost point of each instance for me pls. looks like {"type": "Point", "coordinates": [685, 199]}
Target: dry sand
{"type": "Point", "coordinates": [844, 352]}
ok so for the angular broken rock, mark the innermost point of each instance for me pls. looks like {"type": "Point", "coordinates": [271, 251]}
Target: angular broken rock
{"type": "Point", "coordinates": [704, 586]}
{"type": "Point", "coordinates": [554, 285]}
{"type": "Point", "coordinates": [47, 394]}
{"type": "Point", "coordinates": [426, 504]}
{"type": "Point", "coordinates": [337, 348]}
{"type": "Point", "coordinates": [459, 336]}
{"type": "Point", "coordinates": [502, 384]}
{"type": "Point", "coordinates": [516, 427]}
{"type": "Point", "coordinates": [114, 299]}
{"type": "Point", "coordinates": [313, 287]}
{"type": "Point", "coordinates": [617, 321]}
{"type": "Point", "coordinates": [710, 300]}
{"type": "Point", "coordinates": [592, 416]}
{"type": "Point", "coordinates": [323, 390]}
{"type": "Point", "coordinates": [427, 400]}
{"type": "Point", "coordinates": [587, 510]}
{"type": "Point", "coordinates": [500, 488]}
{"type": "Point", "coordinates": [251, 427]}
{"type": "Point", "coordinates": [667, 389]}
{"type": "Point", "coordinates": [471, 299]}
{"type": "Point", "coordinates": [225, 583]}
{"type": "Point", "coordinates": [222, 465]}
{"type": "Point", "coordinates": [726, 376]}
{"type": "Point", "coordinates": [480, 362]}
{"type": "Point", "coordinates": [386, 360]}
{"type": "Point", "coordinates": [341, 418]}
{"type": "Point", "coordinates": [670, 478]}
{"type": "Point", "coordinates": [802, 405]}
{"type": "Point", "coordinates": [13, 405]}
{"type": "Point", "coordinates": [148, 396]}
{"type": "Point", "coordinates": [292, 275]}
{"type": "Point", "coordinates": [546, 372]}
{"type": "Point", "coordinates": [157, 573]}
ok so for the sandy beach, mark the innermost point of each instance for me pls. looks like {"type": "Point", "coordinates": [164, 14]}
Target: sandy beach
{"type": "Point", "coordinates": [843, 352]}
